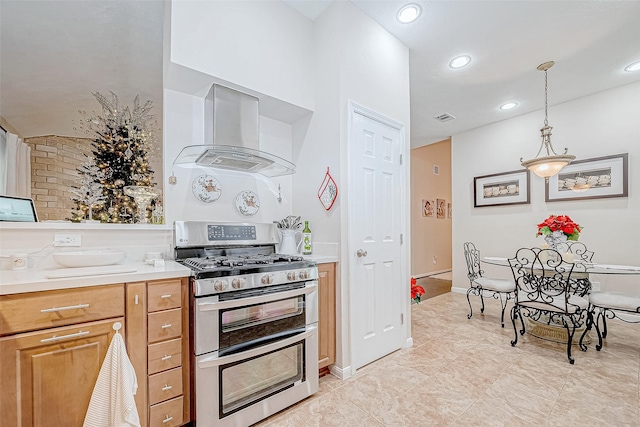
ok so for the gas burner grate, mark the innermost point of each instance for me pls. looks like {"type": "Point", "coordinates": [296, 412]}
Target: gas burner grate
{"type": "Point", "coordinates": [200, 263]}
{"type": "Point", "coordinates": [287, 258]}
{"type": "Point", "coordinates": [215, 262]}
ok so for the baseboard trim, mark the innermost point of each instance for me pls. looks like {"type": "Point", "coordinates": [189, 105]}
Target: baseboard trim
{"type": "Point", "coordinates": [342, 373]}
{"type": "Point", "coordinates": [459, 290]}
{"type": "Point", "coordinates": [431, 273]}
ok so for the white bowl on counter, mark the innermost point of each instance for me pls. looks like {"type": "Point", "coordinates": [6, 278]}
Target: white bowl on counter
{"type": "Point", "coordinates": [89, 258]}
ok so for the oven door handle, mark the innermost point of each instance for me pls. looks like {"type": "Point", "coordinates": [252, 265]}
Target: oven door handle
{"type": "Point", "coordinates": [213, 361]}
{"type": "Point", "coordinates": [310, 287]}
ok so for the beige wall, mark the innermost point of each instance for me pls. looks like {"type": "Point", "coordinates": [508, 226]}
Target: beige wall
{"type": "Point", "coordinates": [430, 236]}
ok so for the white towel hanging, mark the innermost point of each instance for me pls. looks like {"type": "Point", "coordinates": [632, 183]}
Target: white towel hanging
{"type": "Point", "coordinates": [112, 401]}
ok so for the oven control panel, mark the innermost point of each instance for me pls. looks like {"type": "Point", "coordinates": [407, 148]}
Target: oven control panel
{"type": "Point", "coordinates": [204, 234]}
{"type": "Point", "coordinates": [231, 232]}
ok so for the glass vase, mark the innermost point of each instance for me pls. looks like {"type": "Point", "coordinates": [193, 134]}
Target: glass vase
{"type": "Point", "coordinates": [143, 197]}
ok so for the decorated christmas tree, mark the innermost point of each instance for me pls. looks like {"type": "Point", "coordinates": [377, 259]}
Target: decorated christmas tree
{"type": "Point", "coordinates": [122, 142]}
{"type": "Point", "coordinates": [90, 191]}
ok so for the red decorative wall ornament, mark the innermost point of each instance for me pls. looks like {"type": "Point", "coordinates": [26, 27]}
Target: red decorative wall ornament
{"type": "Point", "coordinates": [328, 192]}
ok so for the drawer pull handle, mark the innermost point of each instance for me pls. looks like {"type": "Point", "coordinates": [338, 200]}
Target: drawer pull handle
{"type": "Point", "coordinates": [166, 357]}
{"type": "Point", "coordinates": [166, 325]}
{"type": "Point", "coordinates": [70, 307]}
{"type": "Point", "coordinates": [167, 419]}
{"type": "Point", "coordinates": [165, 296]}
{"type": "Point", "coordinates": [167, 387]}
{"type": "Point", "coordinates": [64, 337]}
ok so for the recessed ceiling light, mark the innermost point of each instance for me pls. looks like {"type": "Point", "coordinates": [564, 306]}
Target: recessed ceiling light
{"type": "Point", "coordinates": [408, 13]}
{"type": "Point", "coordinates": [633, 67]}
{"type": "Point", "coordinates": [460, 61]}
{"type": "Point", "coordinates": [509, 106]}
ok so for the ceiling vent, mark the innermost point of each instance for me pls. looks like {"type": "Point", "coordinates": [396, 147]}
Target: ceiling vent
{"type": "Point", "coordinates": [445, 117]}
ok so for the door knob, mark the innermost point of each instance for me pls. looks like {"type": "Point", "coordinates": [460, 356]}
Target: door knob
{"type": "Point", "coordinates": [361, 253]}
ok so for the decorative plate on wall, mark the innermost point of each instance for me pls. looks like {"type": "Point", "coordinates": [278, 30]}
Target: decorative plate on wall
{"type": "Point", "coordinates": [206, 188]}
{"type": "Point", "coordinates": [247, 202]}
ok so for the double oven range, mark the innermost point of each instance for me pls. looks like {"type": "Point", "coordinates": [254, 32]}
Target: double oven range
{"type": "Point", "coordinates": [254, 316]}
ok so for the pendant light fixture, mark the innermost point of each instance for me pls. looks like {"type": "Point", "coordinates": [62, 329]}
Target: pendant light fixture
{"type": "Point", "coordinates": [549, 165]}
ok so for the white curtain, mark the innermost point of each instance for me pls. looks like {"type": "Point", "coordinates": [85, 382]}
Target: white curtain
{"type": "Point", "coordinates": [16, 161]}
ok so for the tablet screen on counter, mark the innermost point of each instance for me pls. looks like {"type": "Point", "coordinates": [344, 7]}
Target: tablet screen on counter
{"type": "Point", "coordinates": [17, 209]}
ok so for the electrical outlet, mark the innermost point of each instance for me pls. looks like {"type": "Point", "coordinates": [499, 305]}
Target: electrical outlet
{"type": "Point", "coordinates": [67, 240]}
{"type": "Point", "coordinates": [435, 259]}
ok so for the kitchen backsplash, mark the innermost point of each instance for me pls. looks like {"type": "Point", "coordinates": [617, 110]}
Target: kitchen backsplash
{"type": "Point", "coordinates": [38, 241]}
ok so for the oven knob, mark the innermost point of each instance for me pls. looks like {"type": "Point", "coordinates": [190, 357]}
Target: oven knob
{"type": "Point", "coordinates": [267, 279]}
{"type": "Point", "coordinates": [304, 274]}
{"type": "Point", "coordinates": [291, 275]}
{"type": "Point", "coordinates": [238, 282]}
{"type": "Point", "coordinates": [220, 285]}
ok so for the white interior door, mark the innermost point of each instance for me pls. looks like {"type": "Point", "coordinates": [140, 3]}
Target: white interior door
{"type": "Point", "coordinates": [376, 218]}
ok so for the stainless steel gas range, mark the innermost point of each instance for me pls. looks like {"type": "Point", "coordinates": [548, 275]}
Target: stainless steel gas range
{"type": "Point", "coordinates": [254, 316]}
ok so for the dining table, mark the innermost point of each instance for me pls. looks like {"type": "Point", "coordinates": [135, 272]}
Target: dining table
{"type": "Point", "coordinates": [557, 333]}
{"type": "Point", "coordinates": [590, 267]}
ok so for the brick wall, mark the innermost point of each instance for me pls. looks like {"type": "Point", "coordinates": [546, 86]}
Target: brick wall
{"type": "Point", "coordinates": [54, 160]}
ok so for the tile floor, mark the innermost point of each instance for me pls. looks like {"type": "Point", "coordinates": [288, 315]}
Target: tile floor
{"type": "Point", "coordinates": [464, 372]}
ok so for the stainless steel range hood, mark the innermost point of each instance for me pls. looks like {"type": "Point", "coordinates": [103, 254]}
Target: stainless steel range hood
{"type": "Point", "coordinates": [232, 127]}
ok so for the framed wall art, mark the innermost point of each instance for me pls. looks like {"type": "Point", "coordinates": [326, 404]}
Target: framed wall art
{"type": "Point", "coordinates": [507, 188]}
{"type": "Point", "coordinates": [441, 208]}
{"type": "Point", "coordinates": [596, 178]}
{"type": "Point", "coordinates": [428, 207]}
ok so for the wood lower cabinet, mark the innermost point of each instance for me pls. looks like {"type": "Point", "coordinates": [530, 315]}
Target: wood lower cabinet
{"type": "Point", "coordinates": [158, 322]}
{"type": "Point", "coordinates": [48, 374]}
{"type": "Point", "coordinates": [326, 316]}
{"type": "Point", "coordinates": [53, 344]}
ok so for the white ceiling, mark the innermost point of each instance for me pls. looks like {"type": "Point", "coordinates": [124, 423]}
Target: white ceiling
{"type": "Point", "coordinates": [590, 41]}
{"type": "Point", "coordinates": [55, 53]}
{"type": "Point", "coordinates": [117, 45]}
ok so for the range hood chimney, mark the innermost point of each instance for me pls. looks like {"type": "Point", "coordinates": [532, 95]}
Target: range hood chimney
{"type": "Point", "coordinates": [232, 136]}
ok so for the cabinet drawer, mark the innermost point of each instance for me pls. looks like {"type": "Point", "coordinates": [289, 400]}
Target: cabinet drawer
{"type": "Point", "coordinates": [164, 355]}
{"type": "Point", "coordinates": [164, 295]}
{"type": "Point", "coordinates": [164, 325]}
{"type": "Point", "coordinates": [40, 310]}
{"type": "Point", "coordinates": [166, 414]}
{"type": "Point", "coordinates": [165, 385]}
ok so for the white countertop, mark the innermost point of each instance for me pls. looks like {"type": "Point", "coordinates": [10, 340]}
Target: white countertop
{"type": "Point", "coordinates": [324, 253]}
{"type": "Point", "coordinates": [321, 259]}
{"type": "Point", "coordinates": [32, 280]}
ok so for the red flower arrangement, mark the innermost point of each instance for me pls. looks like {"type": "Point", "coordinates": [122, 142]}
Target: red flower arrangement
{"type": "Point", "coordinates": [557, 225]}
{"type": "Point", "coordinates": [416, 290]}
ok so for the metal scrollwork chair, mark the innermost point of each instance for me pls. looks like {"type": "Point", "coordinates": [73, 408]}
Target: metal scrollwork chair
{"type": "Point", "coordinates": [580, 282]}
{"type": "Point", "coordinates": [544, 293]}
{"type": "Point", "coordinates": [501, 289]}
{"type": "Point", "coordinates": [608, 306]}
